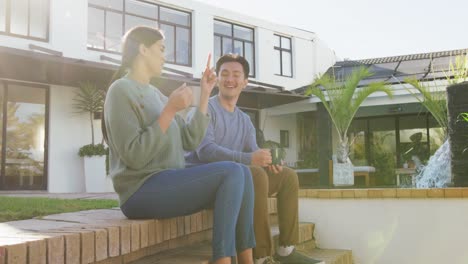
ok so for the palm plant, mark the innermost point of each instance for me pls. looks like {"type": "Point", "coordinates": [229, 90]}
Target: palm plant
{"type": "Point", "coordinates": [342, 99]}
{"type": "Point", "coordinates": [464, 117]}
{"type": "Point", "coordinates": [89, 99]}
{"type": "Point", "coordinates": [433, 97]}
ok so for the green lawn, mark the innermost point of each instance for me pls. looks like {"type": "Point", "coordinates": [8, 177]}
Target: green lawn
{"type": "Point", "coordinates": [18, 208]}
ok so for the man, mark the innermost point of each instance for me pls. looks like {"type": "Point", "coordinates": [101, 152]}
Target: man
{"type": "Point", "coordinates": [231, 136]}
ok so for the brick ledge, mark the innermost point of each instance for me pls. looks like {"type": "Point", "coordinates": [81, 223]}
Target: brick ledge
{"type": "Point", "coordinates": [441, 193]}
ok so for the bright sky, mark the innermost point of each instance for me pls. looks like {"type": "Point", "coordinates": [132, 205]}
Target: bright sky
{"type": "Point", "coordinates": [359, 29]}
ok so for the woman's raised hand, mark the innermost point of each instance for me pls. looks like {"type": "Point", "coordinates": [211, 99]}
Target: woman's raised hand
{"type": "Point", "coordinates": [208, 80]}
{"type": "Point", "coordinates": [180, 98]}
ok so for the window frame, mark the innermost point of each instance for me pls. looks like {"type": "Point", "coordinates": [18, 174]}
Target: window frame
{"type": "Point", "coordinates": [234, 39]}
{"type": "Point", "coordinates": [284, 50]}
{"type": "Point", "coordinates": [157, 20]}
{"type": "Point", "coordinates": [7, 31]}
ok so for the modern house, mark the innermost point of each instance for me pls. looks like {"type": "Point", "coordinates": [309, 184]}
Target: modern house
{"type": "Point", "coordinates": [389, 135]}
{"type": "Point", "coordinates": [49, 47]}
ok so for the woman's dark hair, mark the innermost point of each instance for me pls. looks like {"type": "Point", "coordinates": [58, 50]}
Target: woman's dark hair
{"type": "Point", "coordinates": [130, 49]}
{"type": "Point", "coordinates": [233, 58]}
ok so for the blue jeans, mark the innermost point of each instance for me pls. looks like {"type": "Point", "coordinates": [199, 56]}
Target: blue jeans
{"type": "Point", "coordinates": [177, 192]}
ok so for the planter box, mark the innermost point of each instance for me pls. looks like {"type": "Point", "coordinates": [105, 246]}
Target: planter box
{"type": "Point", "coordinates": [343, 174]}
{"type": "Point", "coordinates": [96, 180]}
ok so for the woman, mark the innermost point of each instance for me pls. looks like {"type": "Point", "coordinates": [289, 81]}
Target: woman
{"type": "Point", "coordinates": [147, 140]}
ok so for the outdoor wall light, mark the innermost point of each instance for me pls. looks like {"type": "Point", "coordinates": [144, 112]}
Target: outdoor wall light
{"type": "Point", "coordinates": [395, 109]}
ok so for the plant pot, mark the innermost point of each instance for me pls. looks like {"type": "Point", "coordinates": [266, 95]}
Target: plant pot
{"type": "Point", "coordinates": [343, 174]}
{"type": "Point", "coordinates": [96, 180]}
{"type": "Point", "coordinates": [457, 103]}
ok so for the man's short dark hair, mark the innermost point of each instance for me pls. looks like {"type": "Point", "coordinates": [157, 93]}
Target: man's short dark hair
{"type": "Point", "coordinates": [233, 58]}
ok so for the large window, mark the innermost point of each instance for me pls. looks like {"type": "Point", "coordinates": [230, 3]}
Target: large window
{"type": "Point", "coordinates": [25, 18]}
{"type": "Point", "coordinates": [232, 38]}
{"type": "Point", "coordinates": [108, 20]}
{"type": "Point", "coordinates": [394, 145]}
{"type": "Point", "coordinates": [23, 134]}
{"type": "Point", "coordinates": [283, 56]}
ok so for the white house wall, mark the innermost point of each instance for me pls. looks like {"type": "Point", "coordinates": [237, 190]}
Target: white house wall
{"type": "Point", "coordinates": [67, 133]}
{"type": "Point", "coordinates": [390, 231]}
{"type": "Point", "coordinates": [274, 124]}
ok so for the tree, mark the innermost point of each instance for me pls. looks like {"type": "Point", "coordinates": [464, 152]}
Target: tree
{"type": "Point", "coordinates": [89, 99]}
{"type": "Point", "coordinates": [342, 98]}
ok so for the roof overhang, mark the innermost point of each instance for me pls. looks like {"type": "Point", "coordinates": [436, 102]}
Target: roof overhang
{"type": "Point", "coordinates": [54, 69]}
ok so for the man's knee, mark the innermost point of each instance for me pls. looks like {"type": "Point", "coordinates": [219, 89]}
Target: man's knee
{"type": "Point", "coordinates": [290, 177]}
{"type": "Point", "coordinates": [260, 179]}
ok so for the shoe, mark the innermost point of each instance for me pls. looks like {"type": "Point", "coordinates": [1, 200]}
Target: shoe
{"type": "Point", "coordinates": [297, 258]}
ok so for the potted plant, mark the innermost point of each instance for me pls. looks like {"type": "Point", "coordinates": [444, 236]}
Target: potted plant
{"type": "Point", "coordinates": [342, 98]}
{"type": "Point", "coordinates": [89, 99]}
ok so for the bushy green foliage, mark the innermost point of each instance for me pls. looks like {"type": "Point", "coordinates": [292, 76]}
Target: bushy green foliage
{"type": "Point", "coordinates": [93, 150]}
{"type": "Point", "coordinates": [383, 159]}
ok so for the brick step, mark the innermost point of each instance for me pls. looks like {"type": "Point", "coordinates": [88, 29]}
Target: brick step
{"type": "Point", "coordinates": [201, 253]}
{"type": "Point", "coordinates": [329, 256]}
{"type": "Point", "coordinates": [306, 233]}
{"type": "Point", "coordinates": [104, 235]}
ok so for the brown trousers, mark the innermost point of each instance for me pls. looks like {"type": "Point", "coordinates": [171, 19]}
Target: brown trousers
{"type": "Point", "coordinates": [285, 185]}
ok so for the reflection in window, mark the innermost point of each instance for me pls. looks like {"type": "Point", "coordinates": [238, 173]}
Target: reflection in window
{"type": "Point", "coordinates": [232, 38]}
{"type": "Point", "coordinates": [182, 45]}
{"type": "Point", "coordinates": [174, 16]}
{"type": "Point", "coordinates": [25, 137]}
{"type": "Point", "coordinates": [357, 135]}
{"type": "Point", "coordinates": [383, 149]}
{"type": "Point", "coordinates": [113, 34]}
{"type": "Point", "coordinates": [38, 19]}
{"type": "Point", "coordinates": [109, 20]}
{"type": "Point", "coordinates": [141, 9]}
{"type": "Point", "coordinates": [169, 41]}
{"type": "Point", "coordinates": [95, 28]}
{"type": "Point", "coordinates": [414, 147]}
{"type": "Point", "coordinates": [283, 56]}
{"type": "Point", "coordinates": [27, 18]}
{"type": "Point", "coordinates": [19, 17]}
{"type": "Point", "coordinates": [133, 21]}
{"type": "Point", "coordinates": [308, 140]}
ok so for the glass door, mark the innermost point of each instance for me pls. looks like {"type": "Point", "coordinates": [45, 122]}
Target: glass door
{"type": "Point", "coordinates": [23, 137]}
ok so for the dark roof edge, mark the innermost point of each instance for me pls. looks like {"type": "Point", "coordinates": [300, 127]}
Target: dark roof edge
{"type": "Point", "coordinates": [417, 56]}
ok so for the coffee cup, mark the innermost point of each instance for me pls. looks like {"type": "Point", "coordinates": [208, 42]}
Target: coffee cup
{"type": "Point", "coordinates": [196, 93]}
{"type": "Point", "coordinates": [276, 156]}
